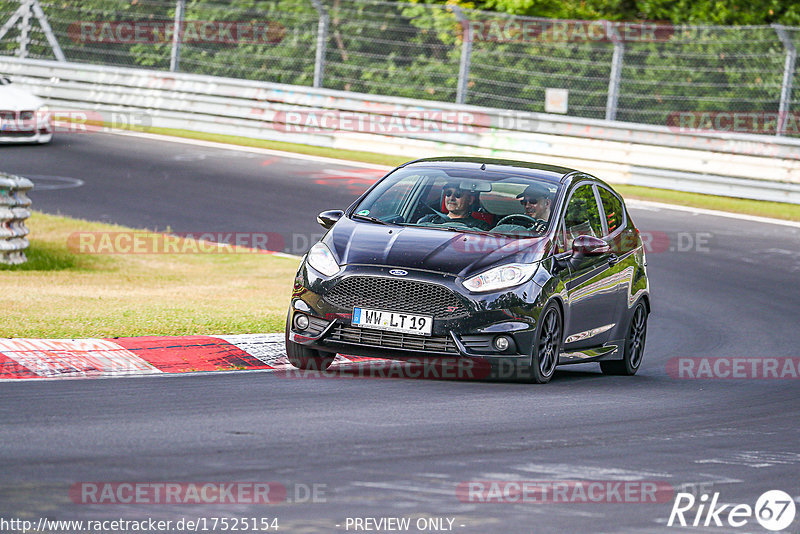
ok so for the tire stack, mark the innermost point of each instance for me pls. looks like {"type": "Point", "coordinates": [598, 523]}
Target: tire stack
{"type": "Point", "coordinates": [14, 204]}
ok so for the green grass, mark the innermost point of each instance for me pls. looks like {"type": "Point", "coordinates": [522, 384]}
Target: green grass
{"type": "Point", "coordinates": [778, 210]}
{"type": "Point", "coordinates": [61, 292]}
{"type": "Point", "coordinates": [352, 155]}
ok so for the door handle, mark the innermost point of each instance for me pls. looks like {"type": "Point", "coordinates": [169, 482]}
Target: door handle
{"type": "Point", "coordinates": [612, 259]}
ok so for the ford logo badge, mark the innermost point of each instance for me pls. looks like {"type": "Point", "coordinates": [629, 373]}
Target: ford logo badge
{"type": "Point", "coordinates": [398, 272]}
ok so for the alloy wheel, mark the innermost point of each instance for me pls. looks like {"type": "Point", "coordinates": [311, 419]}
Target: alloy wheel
{"type": "Point", "coordinates": [549, 342]}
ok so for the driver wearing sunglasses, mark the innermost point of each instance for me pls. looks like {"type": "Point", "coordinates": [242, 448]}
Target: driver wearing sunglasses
{"type": "Point", "coordinates": [459, 204]}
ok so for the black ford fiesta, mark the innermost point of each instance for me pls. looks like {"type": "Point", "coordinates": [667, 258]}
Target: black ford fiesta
{"type": "Point", "coordinates": [524, 266]}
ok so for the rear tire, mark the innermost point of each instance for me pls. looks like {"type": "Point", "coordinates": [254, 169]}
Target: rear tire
{"type": "Point", "coordinates": [634, 346]}
{"type": "Point", "coordinates": [546, 347]}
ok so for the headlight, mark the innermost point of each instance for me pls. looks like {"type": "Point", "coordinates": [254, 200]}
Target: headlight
{"type": "Point", "coordinates": [321, 258]}
{"type": "Point", "coordinates": [501, 277]}
{"type": "Point", "coordinates": [43, 114]}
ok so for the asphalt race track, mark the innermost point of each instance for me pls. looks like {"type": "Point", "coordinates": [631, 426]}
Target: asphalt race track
{"type": "Point", "coordinates": [156, 185]}
{"type": "Point", "coordinates": [381, 448]}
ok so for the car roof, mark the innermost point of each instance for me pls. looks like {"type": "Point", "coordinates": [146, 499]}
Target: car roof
{"type": "Point", "coordinates": [543, 171]}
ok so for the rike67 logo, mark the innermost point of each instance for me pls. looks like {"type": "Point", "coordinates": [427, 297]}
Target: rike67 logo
{"type": "Point", "coordinates": [774, 510]}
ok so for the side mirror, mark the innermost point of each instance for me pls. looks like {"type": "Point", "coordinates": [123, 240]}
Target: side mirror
{"type": "Point", "coordinates": [586, 245]}
{"type": "Point", "coordinates": [329, 218]}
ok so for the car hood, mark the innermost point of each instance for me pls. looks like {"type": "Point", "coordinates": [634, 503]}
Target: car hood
{"type": "Point", "coordinates": [15, 99]}
{"type": "Point", "coordinates": [461, 254]}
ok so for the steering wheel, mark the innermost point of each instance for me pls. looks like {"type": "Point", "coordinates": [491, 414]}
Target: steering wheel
{"type": "Point", "coordinates": [537, 224]}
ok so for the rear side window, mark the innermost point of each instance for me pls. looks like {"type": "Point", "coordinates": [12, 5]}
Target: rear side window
{"type": "Point", "coordinates": [582, 216]}
{"type": "Point", "coordinates": [615, 216]}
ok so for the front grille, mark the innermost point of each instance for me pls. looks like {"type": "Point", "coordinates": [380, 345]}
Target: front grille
{"type": "Point", "coordinates": [392, 340]}
{"type": "Point", "coordinates": [17, 125]}
{"type": "Point", "coordinates": [397, 295]}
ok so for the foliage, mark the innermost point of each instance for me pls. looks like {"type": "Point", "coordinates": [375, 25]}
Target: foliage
{"type": "Point", "coordinates": [414, 50]}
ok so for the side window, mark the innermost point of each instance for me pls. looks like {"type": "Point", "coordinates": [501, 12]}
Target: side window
{"type": "Point", "coordinates": [582, 216]}
{"type": "Point", "coordinates": [434, 198]}
{"type": "Point", "coordinates": [613, 207]}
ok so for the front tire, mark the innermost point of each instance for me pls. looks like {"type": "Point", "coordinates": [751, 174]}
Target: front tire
{"type": "Point", "coordinates": [546, 347]}
{"type": "Point", "coordinates": [305, 358]}
{"type": "Point", "coordinates": [634, 346]}
{"type": "Point", "coordinates": [308, 359]}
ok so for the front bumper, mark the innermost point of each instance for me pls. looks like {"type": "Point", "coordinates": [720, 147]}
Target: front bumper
{"type": "Point", "coordinates": [470, 332]}
{"type": "Point", "coordinates": [26, 127]}
{"type": "Point", "coordinates": [36, 137]}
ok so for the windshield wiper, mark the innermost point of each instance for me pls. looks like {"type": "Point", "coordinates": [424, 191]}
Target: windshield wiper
{"type": "Point", "coordinates": [371, 219]}
{"type": "Point", "coordinates": [459, 229]}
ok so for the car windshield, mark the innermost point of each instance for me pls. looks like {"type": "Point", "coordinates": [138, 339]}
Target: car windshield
{"type": "Point", "coordinates": [465, 200]}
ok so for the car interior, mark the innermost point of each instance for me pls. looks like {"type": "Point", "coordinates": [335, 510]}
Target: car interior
{"type": "Point", "coordinates": [413, 198]}
{"type": "Point", "coordinates": [495, 204]}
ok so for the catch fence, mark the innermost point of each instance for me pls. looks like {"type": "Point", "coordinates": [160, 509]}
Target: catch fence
{"type": "Point", "coordinates": [735, 79]}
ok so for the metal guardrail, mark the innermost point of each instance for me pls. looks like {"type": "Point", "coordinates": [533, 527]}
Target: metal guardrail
{"type": "Point", "coordinates": [14, 204]}
{"type": "Point", "coordinates": [633, 71]}
{"type": "Point", "coordinates": [740, 165]}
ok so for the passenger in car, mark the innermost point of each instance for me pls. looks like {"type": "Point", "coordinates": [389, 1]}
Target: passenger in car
{"type": "Point", "coordinates": [459, 204]}
{"type": "Point", "coordinates": [536, 200]}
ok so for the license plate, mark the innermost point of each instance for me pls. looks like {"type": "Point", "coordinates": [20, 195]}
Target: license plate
{"type": "Point", "coordinates": [392, 321]}
{"type": "Point", "coordinates": [12, 126]}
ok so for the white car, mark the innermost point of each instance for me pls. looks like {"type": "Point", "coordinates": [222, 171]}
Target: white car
{"type": "Point", "coordinates": [24, 118]}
